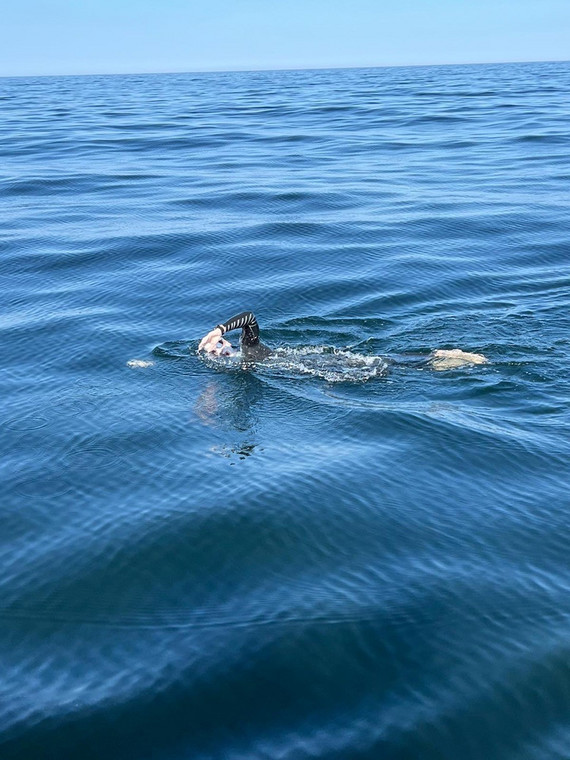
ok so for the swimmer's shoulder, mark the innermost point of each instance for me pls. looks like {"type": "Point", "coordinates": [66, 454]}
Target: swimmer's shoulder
{"type": "Point", "coordinates": [256, 353]}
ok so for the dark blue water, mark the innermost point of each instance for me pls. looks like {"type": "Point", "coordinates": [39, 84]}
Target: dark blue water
{"type": "Point", "coordinates": [323, 557]}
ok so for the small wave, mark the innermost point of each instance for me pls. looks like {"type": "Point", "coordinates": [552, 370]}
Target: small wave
{"type": "Point", "coordinates": [551, 139]}
{"type": "Point", "coordinates": [453, 93]}
{"type": "Point", "coordinates": [173, 349]}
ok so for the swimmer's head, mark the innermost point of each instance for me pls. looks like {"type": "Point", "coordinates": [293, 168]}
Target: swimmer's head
{"type": "Point", "coordinates": [222, 348]}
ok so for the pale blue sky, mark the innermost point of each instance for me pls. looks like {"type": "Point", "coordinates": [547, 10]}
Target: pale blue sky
{"type": "Point", "coordinates": [119, 36]}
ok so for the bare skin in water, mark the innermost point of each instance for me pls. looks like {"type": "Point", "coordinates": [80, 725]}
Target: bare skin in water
{"type": "Point", "coordinates": [455, 357]}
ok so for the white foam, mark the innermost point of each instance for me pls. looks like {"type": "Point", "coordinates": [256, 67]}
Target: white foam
{"type": "Point", "coordinates": [334, 365]}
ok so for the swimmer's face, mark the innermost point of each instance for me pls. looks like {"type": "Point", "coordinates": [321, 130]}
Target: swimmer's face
{"type": "Point", "coordinates": [222, 348]}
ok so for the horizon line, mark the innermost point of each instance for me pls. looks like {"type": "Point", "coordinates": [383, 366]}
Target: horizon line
{"type": "Point", "coordinates": [239, 70]}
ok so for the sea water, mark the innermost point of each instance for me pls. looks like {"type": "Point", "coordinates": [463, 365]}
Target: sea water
{"type": "Point", "coordinates": [335, 554]}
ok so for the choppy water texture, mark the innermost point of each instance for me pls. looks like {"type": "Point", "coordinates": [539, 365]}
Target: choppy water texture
{"type": "Point", "coordinates": [332, 556]}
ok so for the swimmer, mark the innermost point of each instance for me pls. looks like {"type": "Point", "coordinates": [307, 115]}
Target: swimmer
{"type": "Point", "coordinates": [253, 350]}
{"type": "Point", "coordinates": [251, 347]}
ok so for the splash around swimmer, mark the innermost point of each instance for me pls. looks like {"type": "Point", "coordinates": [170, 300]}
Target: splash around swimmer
{"type": "Point", "coordinates": [252, 350]}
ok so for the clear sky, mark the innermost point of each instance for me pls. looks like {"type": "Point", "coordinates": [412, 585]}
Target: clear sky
{"type": "Point", "coordinates": [121, 36]}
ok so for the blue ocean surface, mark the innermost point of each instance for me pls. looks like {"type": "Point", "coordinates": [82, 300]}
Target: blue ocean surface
{"type": "Point", "coordinates": [344, 552]}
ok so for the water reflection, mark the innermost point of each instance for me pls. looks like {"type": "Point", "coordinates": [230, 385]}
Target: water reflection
{"type": "Point", "coordinates": [206, 406]}
{"type": "Point", "coordinates": [228, 405]}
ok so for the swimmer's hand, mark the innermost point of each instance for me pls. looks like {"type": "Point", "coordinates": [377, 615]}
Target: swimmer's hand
{"type": "Point", "coordinates": [213, 343]}
{"type": "Point", "coordinates": [209, 341]}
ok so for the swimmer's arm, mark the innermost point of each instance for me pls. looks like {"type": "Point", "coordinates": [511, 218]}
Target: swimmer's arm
{"type": "Point", "coordinates": [209, 341]}
{"type": "Point", "coordinates": [240, 320]}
